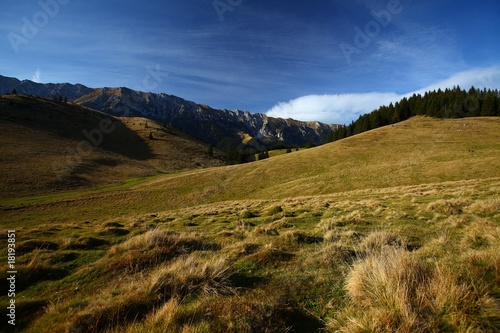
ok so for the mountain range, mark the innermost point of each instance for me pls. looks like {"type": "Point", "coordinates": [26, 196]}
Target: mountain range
{"type": "Point", "coordinates": [224, 129]}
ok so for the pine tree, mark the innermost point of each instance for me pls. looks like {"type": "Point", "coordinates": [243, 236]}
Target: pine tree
{"type": "Point", "coordinates": [329, 137]}
{"type": "Point", "coordinates": [489, 106]}
{"type": "Point", "coordinates": [151, 136]}
{"type": "Point", "coordinates": [210, 150]}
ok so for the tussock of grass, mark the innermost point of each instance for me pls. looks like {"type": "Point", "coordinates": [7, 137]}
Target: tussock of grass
{"type": "Point", "coordinates": [266, 231]}
{"type": "Point", "coordinates": [396, 291]}
{"type": "Point", "coordinates": [484, 206]}
{"type": "Point", "coordinates": [241, 249]}
{"type": "Point", "coordinates": [481, 253]}
{"type": "Point", "coordinates": [334, 254]}
{"type": "Point", "coordinates": [264, 313]}
{"type": "Point", "coordinates": [448, 207]}
{"type": "Point", "coordinates": [192, 275]}
{"type": "Point", "coordinates": [377, 241]}
{"type": "Point", "coordinates": [164, 319]}
{"type": "Point", "coordinates": [84, 243]}
{"type": "Point", "coordinates": [35, 271]}
{"type": "Point", "coordinates": [246, 214]}
{"type": "Point", "coordinates": [283, 223]}
{"type": "Point", "coordinates": [34, 244]}
{"type": "Point", "coordinates": [113, 231]}
{"type": "Point", "coordinates": [270, 257]}
{"type": "Point", "coordinates": [299, 237]}
{"type": "Point", "coordinates": [342, 237]}
{"type": "Point", "coordinates": [353, 217]}
{"type": "Point", "coordinates": [274, 210]}
{"type": "Point", "coordinates": [106, 315]}
{"type": "Point", "coordinates": [135, 298]}
{"type": "Point", "coordinates": [153, 248]}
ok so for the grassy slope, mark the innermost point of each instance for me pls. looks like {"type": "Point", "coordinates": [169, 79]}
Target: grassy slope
{"type": "Point", "coordinates": [421, 150]}
{"type": "Point", "coordinates": [34, 133]}
{"type": "Point", "coordinates": [169, 254]}
{"type": "Point", "coordinates": [265, 265]}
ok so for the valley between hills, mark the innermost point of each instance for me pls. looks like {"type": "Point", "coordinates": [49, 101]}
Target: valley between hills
{"type": "Point", "coordinates": [396, 229]}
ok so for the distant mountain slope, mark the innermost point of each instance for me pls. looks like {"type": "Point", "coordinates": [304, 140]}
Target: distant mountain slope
{"type": "Point", "coordinates": [222, 128]}
{"type": "Point", "coordinates": [47, 146]}
{"type": "Point", "coordinates": [49, 90]}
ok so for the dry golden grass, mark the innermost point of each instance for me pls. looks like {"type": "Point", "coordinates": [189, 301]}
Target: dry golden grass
{"type": "Point", "coordinates": [439, 151]}
{"type": "Point", "coordinates": [55, 130]}
{"type": "Point", "coordinates": [378, 241]}
{"type": "Point", "coordinates": [315, 242]}
{"type": "Point", "coordinates": [483, 206]}
{"type": "Point", "coordinates": [224, 273]}
{"type": "Point", "coordinates": [396, 291]}
{"type": "Point", "coordinates": [190, 275]}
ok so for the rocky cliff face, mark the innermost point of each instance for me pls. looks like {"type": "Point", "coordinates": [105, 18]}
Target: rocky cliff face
{"type": "Point", "coordinates": [222, 128]}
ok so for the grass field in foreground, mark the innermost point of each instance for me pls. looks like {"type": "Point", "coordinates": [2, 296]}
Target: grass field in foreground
{"type": "Point", "coordinates": [422, 258]}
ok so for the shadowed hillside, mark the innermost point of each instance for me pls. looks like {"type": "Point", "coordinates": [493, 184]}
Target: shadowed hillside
{"type": "Point", "coordinates": [52, 146]}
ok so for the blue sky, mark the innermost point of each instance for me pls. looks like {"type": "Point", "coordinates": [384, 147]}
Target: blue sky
{"type": "Point", "coordinates": [329, 61]}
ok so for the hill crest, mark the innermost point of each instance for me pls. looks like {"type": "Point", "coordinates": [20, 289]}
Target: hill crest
{"type": "Point", "coordinates": [50, 146]}
{"type": "Point", "coordinates": [218, 127]}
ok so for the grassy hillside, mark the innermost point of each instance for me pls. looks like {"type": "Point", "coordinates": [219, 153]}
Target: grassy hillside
{"type": "Point", "coordinates": [394, 230]}
{"type": "Point", "coordinates": [421, 150]}
{"type": "Point", "coordinates": [41, 151]}
{"type": "Point", "coordinates": [419, 258]}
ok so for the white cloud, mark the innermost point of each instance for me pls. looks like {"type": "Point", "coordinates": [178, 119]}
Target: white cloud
{"type": "Point", "coordinates": [335, 109]}
{"type": "Point", "coordinates": [344, 108]}
{"type": "Point", "coordinates": [479, 77]}
{"type": "Point", "coordinates": [36, 76]}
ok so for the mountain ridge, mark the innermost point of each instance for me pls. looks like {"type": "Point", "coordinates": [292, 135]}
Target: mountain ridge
{"type": "Point", "coordinates": [53, 147]}
{"type": "Point", "coordinates": [223, 128]}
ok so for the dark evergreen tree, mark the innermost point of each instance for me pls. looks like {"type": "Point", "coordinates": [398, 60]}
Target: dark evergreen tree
{"type": "Point", "coordinates": [489, 106]}
{"type": "Point", "coordinates": [450, 103]}
{"type": "Point", "coordinates": [329, 137]}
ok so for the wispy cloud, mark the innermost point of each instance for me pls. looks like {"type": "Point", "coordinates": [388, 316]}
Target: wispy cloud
{"type": "Point", "coordinates": [344, 108]}
{"type": "Point", "coordinates": [37, 76]}
{"type": "Point", "coordinates": [479, 77]}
